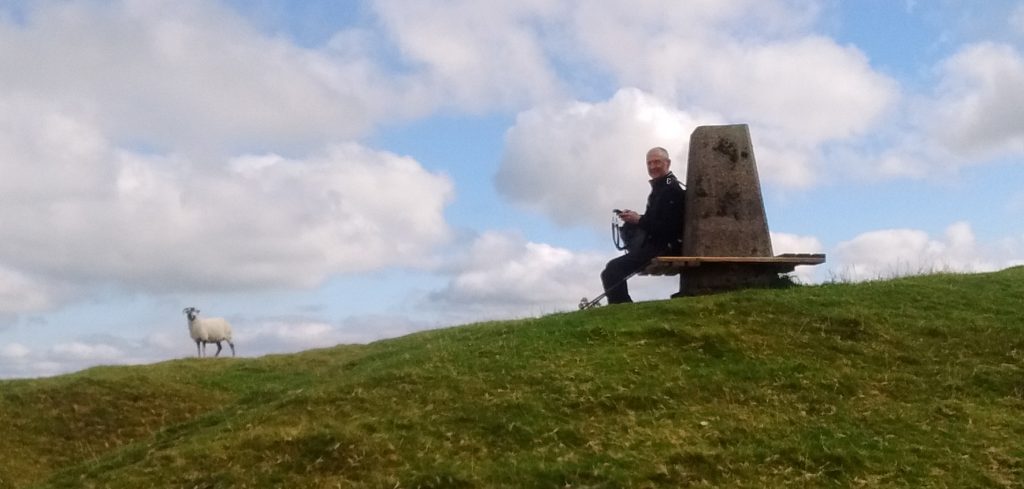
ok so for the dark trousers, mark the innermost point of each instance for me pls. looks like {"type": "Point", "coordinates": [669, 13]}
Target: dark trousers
{"type": "Point", "coordinates": [615, 272]}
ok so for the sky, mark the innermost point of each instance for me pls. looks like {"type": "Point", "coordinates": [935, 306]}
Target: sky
{"type": "Point", "coordinates": [327, 172]}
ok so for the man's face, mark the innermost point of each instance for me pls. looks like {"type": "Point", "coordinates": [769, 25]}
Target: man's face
{"type": "Point", "coordinates": [657, 164]}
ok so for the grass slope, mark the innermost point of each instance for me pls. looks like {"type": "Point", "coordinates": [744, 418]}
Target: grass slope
{"type": "Point", "coordinates": [914, 382]}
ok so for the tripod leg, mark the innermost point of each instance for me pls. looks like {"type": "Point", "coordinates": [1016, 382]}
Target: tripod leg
{"type": "Point", "coordinates": [584, 305]}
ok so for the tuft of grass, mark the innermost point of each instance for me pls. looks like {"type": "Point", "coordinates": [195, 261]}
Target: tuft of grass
{"type": "Point", "coordinates": [910, 382]}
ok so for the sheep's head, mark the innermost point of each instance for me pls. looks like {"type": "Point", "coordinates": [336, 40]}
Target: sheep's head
{"type": "Point", "coordinates": [191, 312]}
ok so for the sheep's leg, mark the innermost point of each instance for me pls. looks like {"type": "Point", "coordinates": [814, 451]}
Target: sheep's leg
{"type": "Point", "coordinates": [198, 353]}
{"type": "Point", "coordinates": [218, 349]}
{"type": "Point", "coordinates": [232, 347]}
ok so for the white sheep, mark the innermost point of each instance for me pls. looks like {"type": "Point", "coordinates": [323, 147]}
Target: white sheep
{"type": "Point", "coordinates": [208, 330]}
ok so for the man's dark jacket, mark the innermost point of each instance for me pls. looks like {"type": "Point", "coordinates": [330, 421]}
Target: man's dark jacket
{"type": "Point", "coordinates": [663, 218]}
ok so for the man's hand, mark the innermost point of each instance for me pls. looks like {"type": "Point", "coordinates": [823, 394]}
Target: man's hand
{"type": "Point", "coordinates": [629, 216]}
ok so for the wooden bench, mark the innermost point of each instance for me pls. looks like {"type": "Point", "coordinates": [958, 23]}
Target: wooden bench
{"type": "Point", "coordinates": [784, 263]}
{"type": "Point", "coordinates": [701, 275]}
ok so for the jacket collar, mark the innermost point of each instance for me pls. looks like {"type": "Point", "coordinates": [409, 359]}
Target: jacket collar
{"type": "Point", "coordinates": [668, 179]}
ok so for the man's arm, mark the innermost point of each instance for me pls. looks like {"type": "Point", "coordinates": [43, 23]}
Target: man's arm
{"type": "Point", "coordinates": [629, 216]}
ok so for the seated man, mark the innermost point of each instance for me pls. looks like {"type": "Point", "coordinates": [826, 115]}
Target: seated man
{"type": "Point", "coordinates": [662, 222]}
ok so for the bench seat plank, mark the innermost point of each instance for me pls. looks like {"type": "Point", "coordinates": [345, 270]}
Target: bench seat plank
{"type": "Point", "coordinates": [673, 265]}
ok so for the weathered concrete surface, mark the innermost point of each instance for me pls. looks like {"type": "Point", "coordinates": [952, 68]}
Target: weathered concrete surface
{"type": "Point", "coordinates": [712, 278]}
{"type": "Point", "coordinates": [724, 208]}
{"type": "Point", "coordinates": [724, 213]}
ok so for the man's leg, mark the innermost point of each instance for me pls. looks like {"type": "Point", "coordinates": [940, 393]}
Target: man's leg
{"type": "Point", "coordinates": [614, 275]}
{"type": "Point", "coordinates": [613, 279]}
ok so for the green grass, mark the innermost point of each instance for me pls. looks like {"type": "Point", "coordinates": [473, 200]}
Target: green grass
{"type": "Point", "coordinates": [914, 382]}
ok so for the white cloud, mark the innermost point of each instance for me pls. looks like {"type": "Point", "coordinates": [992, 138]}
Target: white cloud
{"type": "Point", "coordinates": [577, 162]}
{"type": "Point", "coordinates": [164, 341]}
{"type": "Point", "coordinates": [895, 252]}
{"type": "Point", "coordinates": [90, 352]}
{"type": "Point", "coordinates": [505, 270]}
{"type": "Point", "coordinates": [14, 351]}
{"type": "Point", "coordinates": [743, 60]}
{"type": "Point", "coordinates": [20, 293]}
{"type": "Point", "coordinates": [659, 43]}
{"type": "Point", "coordinates": [192, 75]}
{"type": "Point", "coordinates": [17, 360]}
{"type": "Point", "coordinates": [725, 62]}
{"type": "Point", "coordinates": [287, 335]}
{"type": "Point", "coordinates": [971, 117]}
{"type": "Point", "coordinates": [907, 160]}
{"type": "Point", "coordinates": [771, 86]}
{"type": "Point", "coordinates": [136, 147]}
{"type": "Point", "coordinates": [78, 210]}
{"type": "Point", "coordinates": [977, 111]}
{"type": "Point", "coordinates": [291, 336]}
{"type": "Point", "coordinates": [476, 54]}
{"type": "Point", "coordinates": [503, 276]}
{"type": "Point", "coordinates": [753, 62]}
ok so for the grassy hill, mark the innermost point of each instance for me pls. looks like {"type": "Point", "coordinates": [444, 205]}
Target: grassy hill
{"type": "Point", "coordinates": [915, 382]}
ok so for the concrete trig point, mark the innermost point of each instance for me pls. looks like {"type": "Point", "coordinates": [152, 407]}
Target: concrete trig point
{"type": "Point", "coordinates": [726, 244]}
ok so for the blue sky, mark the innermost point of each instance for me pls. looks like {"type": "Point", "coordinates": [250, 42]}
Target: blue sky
{"type": "Point", "coordinates": [325, 172]}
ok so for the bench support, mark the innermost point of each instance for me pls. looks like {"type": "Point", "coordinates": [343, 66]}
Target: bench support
{"type": "Point", "coordinates": [721, 277]}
